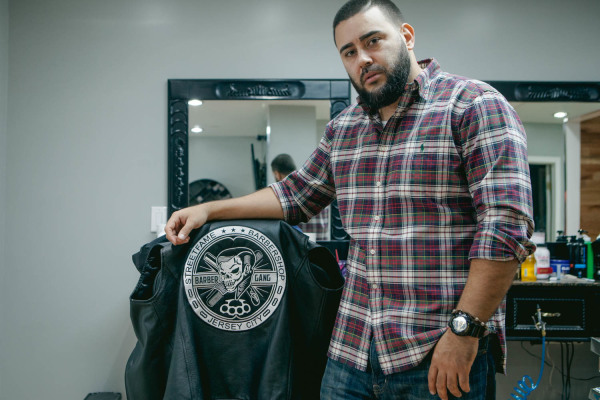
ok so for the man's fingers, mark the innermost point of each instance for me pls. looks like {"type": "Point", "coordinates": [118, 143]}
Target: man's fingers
{"type": "Point", "coordinates": [431, 379]}
{"type": "Point", "coordinates": [440, 385]}
{"type": "Point", "coordinates": [452, 385]}
{"type": "Point", "coordinates": [463, 381]}
{"type": "Point", "coordinates": [173, 229]}
{"type": "Point", "coordinates": [184, 232]}
{"type": "Point", "coordinates": [171, 236]}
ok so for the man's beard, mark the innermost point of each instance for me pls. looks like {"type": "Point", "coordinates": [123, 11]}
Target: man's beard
{"type": "Point", "coordinates": [395, 82]}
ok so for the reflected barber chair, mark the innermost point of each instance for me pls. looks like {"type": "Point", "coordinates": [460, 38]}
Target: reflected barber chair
{"type": "Point", "coordinates": [205, 190]}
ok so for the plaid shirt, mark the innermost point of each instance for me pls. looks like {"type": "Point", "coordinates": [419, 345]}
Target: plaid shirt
{"type": "Point", "coordinates": [319, 225]}
{"type": "Point", "coordinates": [445, 181]}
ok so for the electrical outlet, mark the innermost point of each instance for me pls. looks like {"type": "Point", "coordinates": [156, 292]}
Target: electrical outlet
{"type": "Point", "coordinates": [158, 218]}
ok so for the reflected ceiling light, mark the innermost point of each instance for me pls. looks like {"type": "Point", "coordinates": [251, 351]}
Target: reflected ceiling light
{"type": "Point", "coordinates": [197, 129]}
{"type": "Point", "coordinates": [268, 129]}
{"type": "Point", "coordinates": [560, 114]}
{"type": "Point", "coordinates": [565, 120]}
{"type": "Point", "coordinates": [195, 102]}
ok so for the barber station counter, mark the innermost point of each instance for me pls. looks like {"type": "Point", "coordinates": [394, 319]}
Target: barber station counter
{"type": "Point", "coordinates": [570, 308]}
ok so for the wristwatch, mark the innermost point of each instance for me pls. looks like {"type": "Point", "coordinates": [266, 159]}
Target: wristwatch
{"type": "Point", "coordinates": [464, 324]}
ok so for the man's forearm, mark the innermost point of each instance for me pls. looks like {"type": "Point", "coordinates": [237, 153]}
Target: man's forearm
{"type": "Point", "coordinates": [486, 286]}
{"type": "Point", "coordinates": [262, 204]}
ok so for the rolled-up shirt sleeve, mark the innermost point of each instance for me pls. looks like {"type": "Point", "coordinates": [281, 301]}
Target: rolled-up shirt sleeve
{"type": "Point", "coordinates": [494, 147]}
{"type": "Point", "coordinates": [307, 191]}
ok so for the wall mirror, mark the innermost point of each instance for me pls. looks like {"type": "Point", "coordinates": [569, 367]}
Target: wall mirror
{"type": "Point", "coordinates": [225, 145]}
{"type": "Point", "coordinates": [548, 110]}
{"type": "Point", "coordinates": [223, 134]}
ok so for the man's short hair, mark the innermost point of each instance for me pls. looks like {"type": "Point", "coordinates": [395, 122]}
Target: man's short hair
{"type": "Point", "coordinates": [353, 7]}
{"type": "Point", "coordinates": [284, 164]}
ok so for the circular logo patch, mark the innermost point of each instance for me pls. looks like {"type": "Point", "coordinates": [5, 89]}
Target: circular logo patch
{"type": "Point", "coordinates": [234, 278]}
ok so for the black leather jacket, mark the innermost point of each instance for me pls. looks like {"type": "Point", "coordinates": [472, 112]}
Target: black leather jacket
{"type": "Point", "coordinates": [244, 311]}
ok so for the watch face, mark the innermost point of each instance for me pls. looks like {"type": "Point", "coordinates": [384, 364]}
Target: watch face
{"type": "Point", "coordinates": [459, 324]}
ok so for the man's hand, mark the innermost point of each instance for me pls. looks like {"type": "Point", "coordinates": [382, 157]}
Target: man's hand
{"type": "Point", "coordinates": [451, 363]}
{"type": "Point", "coordinates": [182, 222]}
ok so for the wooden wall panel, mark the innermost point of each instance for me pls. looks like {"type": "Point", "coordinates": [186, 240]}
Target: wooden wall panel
{"type": "Point", "coordinates": [590, 176]}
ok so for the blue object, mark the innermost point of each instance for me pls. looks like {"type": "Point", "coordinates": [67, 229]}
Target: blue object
{"type": "Point", "coordinates": [525, 386]}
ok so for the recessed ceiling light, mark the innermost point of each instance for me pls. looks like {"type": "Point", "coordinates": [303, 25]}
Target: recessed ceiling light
{"type": "Point", "coordinates": [195, 102]}
{"type": "Point", "coordinates": [197, 129]}
{"type": "Point", "coordinates": [560, 114]}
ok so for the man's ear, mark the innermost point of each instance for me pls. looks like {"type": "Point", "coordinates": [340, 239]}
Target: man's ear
{"type": "Point", "coordinates": [408, 32]}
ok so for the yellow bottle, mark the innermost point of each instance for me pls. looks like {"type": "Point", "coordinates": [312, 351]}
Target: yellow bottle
{"type": "Point", "coordinates": [528, 269]}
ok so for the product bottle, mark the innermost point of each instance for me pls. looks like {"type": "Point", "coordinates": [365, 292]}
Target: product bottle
{"type": "Point", "coordinates": [589, 255]}
{"type": "Point", "coordinates": [528, 269]}
{"type": "Point", "coordinates": [596, 249]}
{"type": "Point", "coordinates": [579, 256]}
{"type": "Point", "coordinates": [543, 270]}
{"type": "Point", "coordinates": [590, 260]}
{"type": "Point", "coordinates": [559, 256]}
{"type": "Point", "coordinates": [561, 237]}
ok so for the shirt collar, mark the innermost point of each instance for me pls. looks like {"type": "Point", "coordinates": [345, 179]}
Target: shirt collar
{"type": "Point", "coordinates": [431, 69]}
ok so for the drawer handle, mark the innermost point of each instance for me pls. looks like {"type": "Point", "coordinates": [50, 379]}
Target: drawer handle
{"type": "Point", "coordinates": [550, 315]}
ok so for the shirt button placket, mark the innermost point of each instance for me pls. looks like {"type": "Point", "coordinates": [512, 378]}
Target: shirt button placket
{"type": "Point", "coordinates": [372, 253]}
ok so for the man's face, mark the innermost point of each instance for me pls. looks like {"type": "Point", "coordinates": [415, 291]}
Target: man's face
{"type": "Point", "coordinates": [277, 175]}
{"type": "Point", "coordinates": [375, 56]}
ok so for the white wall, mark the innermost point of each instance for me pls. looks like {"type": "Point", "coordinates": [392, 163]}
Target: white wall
{"type": "Point", "coordinates": [509, 40]}
{"type": "Point", "coordinates": [227, 160]}
{"type": "Point", "coordinates": [546, 144]}
{"type": "Point", "coordinates": [572, 131]}
{"type": "Point", "coordinates": [86, 140]}
{"type": "Point", "coordinates": [3, 153]}
{"type": "Point", "coordinates": [292, 132]}
{"type": "Point", "coordinates": [545, 140]}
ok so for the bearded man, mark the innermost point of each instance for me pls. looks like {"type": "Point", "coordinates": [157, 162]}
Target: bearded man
{"type": "Point", "coordinates": [431, 177]}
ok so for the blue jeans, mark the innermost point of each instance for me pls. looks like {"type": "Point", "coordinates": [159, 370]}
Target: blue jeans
{"type": "Point", "coordinates": [342, 382]}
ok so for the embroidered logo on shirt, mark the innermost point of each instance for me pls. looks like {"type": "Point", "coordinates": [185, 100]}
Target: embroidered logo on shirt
{"type": "Point", "coordinates": [234, 278]}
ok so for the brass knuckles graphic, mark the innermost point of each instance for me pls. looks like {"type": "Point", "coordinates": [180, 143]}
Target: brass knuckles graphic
{"type": "Point", "coordinates": [235, 310]}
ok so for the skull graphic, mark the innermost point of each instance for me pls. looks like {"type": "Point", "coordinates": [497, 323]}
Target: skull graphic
{"type": "Point", "coordinates": [234, 265]}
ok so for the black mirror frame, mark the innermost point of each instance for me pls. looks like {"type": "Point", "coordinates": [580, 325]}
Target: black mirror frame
{"type": "Point", "coordinates": [337, 91]}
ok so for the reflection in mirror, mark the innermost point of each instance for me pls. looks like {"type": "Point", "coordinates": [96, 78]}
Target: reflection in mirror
{"type": "Point", "coordinates": [223, 134]}
{"type": "Point", "coordinates": [233, 142]}
{"type": "Point", "coordinates": [543, 122]}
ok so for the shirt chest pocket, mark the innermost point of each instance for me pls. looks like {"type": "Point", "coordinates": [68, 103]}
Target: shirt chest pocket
{"type": "Point", "coordinates": [424, 168]}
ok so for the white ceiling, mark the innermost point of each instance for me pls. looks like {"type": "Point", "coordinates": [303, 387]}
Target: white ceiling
{"type": "Point", "coordinates": [250, 117]}
{"type": "Point", "coordinates": [243, 117]}
{"type": "Point", "coordinates": [543, 112]}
